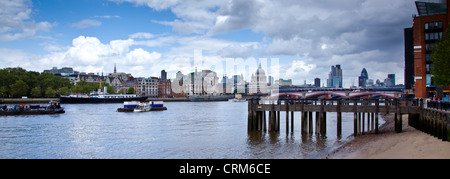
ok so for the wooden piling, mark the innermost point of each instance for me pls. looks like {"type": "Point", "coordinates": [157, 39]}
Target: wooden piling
{"type": "Point", "coordinates": [355, 119]}
{"type": "Point", "coordinates": [287, 116]}
{"type": "Point", "coordinates": [339, 119]}
{"type": "Point", "coordinates": [310, 122]}
{"type": "Point", "coordinates": [304, 122]}
{"type": "Point", "coordinates": [377, 109]}
{"type": "Point", "coordinates": [317, 123]}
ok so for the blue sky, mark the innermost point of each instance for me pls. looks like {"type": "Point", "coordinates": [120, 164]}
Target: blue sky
{"type": "Point", "coordinates": [145, 36]}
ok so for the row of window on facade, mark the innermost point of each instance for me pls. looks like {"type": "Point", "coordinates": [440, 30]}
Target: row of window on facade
{"type": "Point", "coordinates": [433, 25]}
{"type": "Point", "coordinates": [433, 36]}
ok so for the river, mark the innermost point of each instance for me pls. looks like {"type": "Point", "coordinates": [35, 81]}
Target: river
{"type": "Point", "coordinates": [186, 130]}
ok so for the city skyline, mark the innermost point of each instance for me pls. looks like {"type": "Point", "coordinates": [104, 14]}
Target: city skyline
{"type": "Point", "coordinates": [146, 36]}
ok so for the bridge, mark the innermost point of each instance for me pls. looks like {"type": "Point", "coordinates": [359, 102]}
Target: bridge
{"type": "Point", "coordinates": [337, 94]}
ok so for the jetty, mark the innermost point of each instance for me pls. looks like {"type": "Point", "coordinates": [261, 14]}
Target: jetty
{"type": "Point", "coordinates": [264, 115]}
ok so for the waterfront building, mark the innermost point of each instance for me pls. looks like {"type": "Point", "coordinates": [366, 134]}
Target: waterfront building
{"type": "Point", "coordinates": [335, 77]}
{"type": "Point", "coordinates": [430, 23]}
{"type": "Point", "coordinates": [120, 81]}
{"type": "Point", "coordinates": [258, 81]}
{"type": "Point", "coordinates": [147, 87]}
{"type": "Point", "coordinates": [363, 78]}
{"type": "Point", "coordinates": [177, 85]}
{"type": "Point", "coordinates": [205, 82]}
{"type": "Point", "coordinates": [88, 77]}
{"type": "Point", "coordinates": [165, 88]}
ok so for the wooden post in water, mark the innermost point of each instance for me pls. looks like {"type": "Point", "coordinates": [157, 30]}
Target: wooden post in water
{"type": "Point", "coordinates": [339, 119]}
{"type": "Point", "coordinates": [310, 122]}
{"type": "Point", "coordinates": [317, 123]}
{"type": "Point", "coordinates": [249, 118]}
{"type": "Point", "coordinates": [377, 109]}
{"type": "Point", "coordinates": [323, 124]}
{"type": "Point", "coordinates": [292, 116]}
{"type": "Point", "coordinates": [355, 119]}
{"type": "Point", "coordinates": [398, 118]}
{"type": "Point", "coordinates": [304, 122]}
{"type": "Point", "coordinates": [287, 116]}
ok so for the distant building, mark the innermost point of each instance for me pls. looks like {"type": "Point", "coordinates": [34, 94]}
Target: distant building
{"type": "Point", "coordinates": [66, 72]}
{"type": "Point", "coordinates": [282, 82]}
{"type": "Point", "coordinates": [146, 87]}
{"type": "Point", "coordinates": [317, 82]}
{"type": "Point", "coordinates": [363, 78]}
{"type": "Point", "coordinates": [165, 89]}
{"type": "Point", "coordinates": [163, 75]}
{"type": "Point", "coordinates": [258, 81]}
{"type": "Point", "coordinates": [335, 77]}
{"type": "Point", "coordinates": [205, 82]}
{"type": "Point", "coordinates": [390, 80]}
{"type": "Point", "coordinates": [88, 77]}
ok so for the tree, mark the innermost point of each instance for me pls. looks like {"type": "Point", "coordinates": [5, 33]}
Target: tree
{"type": "Point", "coordinates": [19, 88]}
{"type": "Point", "coordinates": [50, 92]}
{"type": "Point", "coordinates": [3, 92]}
{"type": "Point", "coordinates": [131, 90]}
{"type": "Point", "coordinates": [64, 91]}
{"type": "Point", "coordinates": [441, 61]}
{"type": "Point", "coordinates": [36, 92]}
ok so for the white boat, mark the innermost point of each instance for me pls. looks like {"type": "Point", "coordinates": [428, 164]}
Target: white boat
{"type": "Point", "coordinates": [150, 106]}
{"type": "Point", "coordinates": [143, 107]}
{"type": "Point", "coordinates": [237, 98]}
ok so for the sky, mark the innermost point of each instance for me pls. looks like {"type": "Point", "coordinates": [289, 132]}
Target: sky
{"type": "Point", "coordinates": [143, 37]}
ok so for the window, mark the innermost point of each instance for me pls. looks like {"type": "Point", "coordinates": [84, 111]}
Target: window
{"type": "Point", "coordinates": [427, 36]}
{"type": "Point", "coordinates": [426, 26]}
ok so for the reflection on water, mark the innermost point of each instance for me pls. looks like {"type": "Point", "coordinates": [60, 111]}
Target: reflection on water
{"type": "Point", "coordinates": [185, 130]}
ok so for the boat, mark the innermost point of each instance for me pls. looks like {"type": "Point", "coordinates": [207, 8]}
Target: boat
{"type": "Point", "coordinates": [129, 106]}
{"type": "Point", "coordinates": [237, 98]}
{"type": "Point", "coordinates": [100, 97]}
{"type": "Point", "coordinates": [195, 98]}
{"type": "Point", "coordinates": [136, 106]}
{"type": "Point", "coordinates": [28, 109]}
{"type": "Point", "coordinates": [143, 107]}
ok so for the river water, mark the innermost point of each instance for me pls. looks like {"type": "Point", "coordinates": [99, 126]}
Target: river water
{"type": "Point", "coordinates": [186, 130]}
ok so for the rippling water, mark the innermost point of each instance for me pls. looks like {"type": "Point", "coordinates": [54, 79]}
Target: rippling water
{"type": "Point", "coordinates": [185, 130]}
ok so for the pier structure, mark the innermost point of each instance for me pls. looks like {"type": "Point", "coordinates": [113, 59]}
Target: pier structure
{"type": "Point", "coordinates": [264, 115]}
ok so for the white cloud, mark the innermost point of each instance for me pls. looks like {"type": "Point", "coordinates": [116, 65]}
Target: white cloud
{"type": "Point", "coordinates": [86, 23]}
{"type": "Point", "coordinates": [16, 22]}
{"type": "Point", "coordinates": [142, 35]}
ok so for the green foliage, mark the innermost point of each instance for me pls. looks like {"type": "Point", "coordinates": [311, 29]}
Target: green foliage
{"type": "Point", "coordinates": [36, 92]}
{"type": "Point", "coordinates": [85, 87]}
{"type": "Point", "coordinates": [64, 91]}
{"type": "Point", "coordinates": [49, 92]}
{"type": "Point", "coordinates": [19, 88]}
{"type": "Point", "coordinates": [131, 90]}
{"type": "Point", "coordinates": [17, 82]}
{"type": "Point", "coordinates": [441, 61]}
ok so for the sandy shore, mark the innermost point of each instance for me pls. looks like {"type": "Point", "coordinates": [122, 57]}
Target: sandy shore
{"type": "Point", "coordinates": [410, 144]}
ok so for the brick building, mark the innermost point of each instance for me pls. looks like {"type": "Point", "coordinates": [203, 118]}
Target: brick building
{"type": "Point", "coordinates": [429, 27]}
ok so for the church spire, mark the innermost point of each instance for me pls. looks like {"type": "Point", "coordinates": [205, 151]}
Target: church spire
{"type": "Point", "coordinates": [115, 71]}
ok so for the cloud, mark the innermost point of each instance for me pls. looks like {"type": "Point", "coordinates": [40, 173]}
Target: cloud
{"type": "Point", "coordinates": [86, 23]}
{"type": "Point", "coordinates": [16, 22]}
{"type": "Point", "coordinates": [142, 35]}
